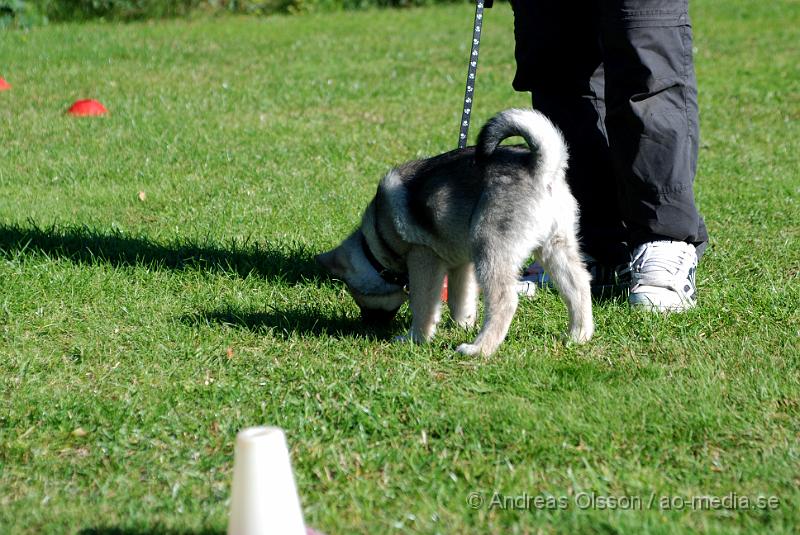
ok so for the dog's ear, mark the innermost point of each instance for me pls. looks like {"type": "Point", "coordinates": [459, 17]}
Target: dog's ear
{"type": "Point", "coordinates": [331, 262]}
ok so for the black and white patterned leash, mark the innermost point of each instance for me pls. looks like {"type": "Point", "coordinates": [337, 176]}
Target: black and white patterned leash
{"type": "Point", "coordinates": [469, 94]}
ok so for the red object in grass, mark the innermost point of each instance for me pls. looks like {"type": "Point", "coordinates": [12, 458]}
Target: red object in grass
{"type": "Point", "coordinates": [444, 290]}
{"type": "Point", "coordinates": [4, 86]}
{"type": "Point", "coordinates": [85, 108]}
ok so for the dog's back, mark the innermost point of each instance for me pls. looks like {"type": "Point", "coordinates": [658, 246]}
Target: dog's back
{"type": "Point", "coordinates": [438, 201]}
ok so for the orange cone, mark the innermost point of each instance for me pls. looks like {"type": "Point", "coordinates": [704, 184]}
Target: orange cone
{"type": "Point", "coordinates": [87, 108]}
{"type": "Point", "coordinates": [4, 86]}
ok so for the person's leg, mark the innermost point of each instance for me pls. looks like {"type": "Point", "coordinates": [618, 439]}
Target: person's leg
{"type": "Point", "coordinates": [652, 128]}
{"type": "Point", "coordinates": [559, 61]}
{"type": "Point", "coordinates": [652, 117]}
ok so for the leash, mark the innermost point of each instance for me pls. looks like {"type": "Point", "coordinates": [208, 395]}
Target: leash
{"type": "Point", "coordinates": [469, 92]}
{"type": "Point", "coordinates": [472, 69]}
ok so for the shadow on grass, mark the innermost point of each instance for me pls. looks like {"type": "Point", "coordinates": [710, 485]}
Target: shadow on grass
{"type": "Point", "coordinates": [290, 262]}
{"type": "Point", "coordinates": [155, 531]}
{"type": "Point", "coordinates": [303, 320]}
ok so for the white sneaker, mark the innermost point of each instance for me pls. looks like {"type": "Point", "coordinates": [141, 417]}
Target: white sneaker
{"type": "Point", "coordinates": [663, 276]}
{"type": "Point", "coordinates": [532, 278]}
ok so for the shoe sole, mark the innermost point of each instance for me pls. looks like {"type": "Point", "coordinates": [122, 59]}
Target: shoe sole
{"type": "Point", "coordinates": [644, 303]}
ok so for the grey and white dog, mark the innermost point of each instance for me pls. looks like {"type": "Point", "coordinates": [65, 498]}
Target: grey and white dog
{"type": "Point", "coordinates": [475, 215]}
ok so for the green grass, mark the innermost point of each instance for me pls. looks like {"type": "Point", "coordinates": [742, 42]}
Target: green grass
{"type": "Point", "coordinates": [161, 327]}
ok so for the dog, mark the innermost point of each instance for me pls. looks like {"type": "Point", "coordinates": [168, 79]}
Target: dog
{"type": "Point", "coordinates": [474, 215]}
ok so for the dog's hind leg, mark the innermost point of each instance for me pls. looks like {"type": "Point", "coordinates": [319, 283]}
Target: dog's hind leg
{"type": "Point", "coordinates": [462, 295]}
{"type": "Point", "coordinates": [500, 304]}
{"type": "Point", "coordinates": [561, 259]}
{"type": "Point", "coordinates": [425, 279]}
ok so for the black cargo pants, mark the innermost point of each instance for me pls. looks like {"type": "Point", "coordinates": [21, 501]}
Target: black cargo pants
{"type": "Point", "coordinates": [617, 77]}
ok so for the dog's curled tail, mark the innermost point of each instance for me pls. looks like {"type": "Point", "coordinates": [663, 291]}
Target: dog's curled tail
{"type": "Point", "coordinates": [539, 133]}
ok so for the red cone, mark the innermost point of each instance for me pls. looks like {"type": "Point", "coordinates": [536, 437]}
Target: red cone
{"type": "Point", "coordinates": [4, 86]}
{"type": "Point", "coordinates": [84, 108]}
{"type": "Point", "coordinates": [444, 290]}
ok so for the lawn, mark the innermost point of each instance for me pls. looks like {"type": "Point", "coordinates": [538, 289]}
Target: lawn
{"type": "Point", "coordinates": [158, 292]}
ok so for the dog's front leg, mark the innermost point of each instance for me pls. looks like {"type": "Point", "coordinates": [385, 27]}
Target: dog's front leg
{"type": "Point", "coordinates": [425, 279]}
{"type": "Point", "coordinates": [500, 303]}
{"type": "Point", "coordinates": [462, 295]}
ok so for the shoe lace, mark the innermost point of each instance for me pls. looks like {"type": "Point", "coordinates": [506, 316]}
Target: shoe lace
{"type": "Point", "coordinates": [662, 264]}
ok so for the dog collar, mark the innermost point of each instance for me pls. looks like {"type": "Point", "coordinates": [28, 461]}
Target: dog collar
{"type": "Point", "coordinates": [388, 275]}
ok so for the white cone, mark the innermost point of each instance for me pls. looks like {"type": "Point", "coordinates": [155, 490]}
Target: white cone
{"type": "Point", "coordinates": [264, 497]}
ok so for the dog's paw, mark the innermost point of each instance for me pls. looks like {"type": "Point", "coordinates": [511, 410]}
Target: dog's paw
{"type": "Point", "coordinates": [468, 349]}
{"type": "Point", "coordinates": [465, 323]}
{"type": "Point", "coordinates": [410, 337]}
{"type": "Point", "coordinates": [581, 336]}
